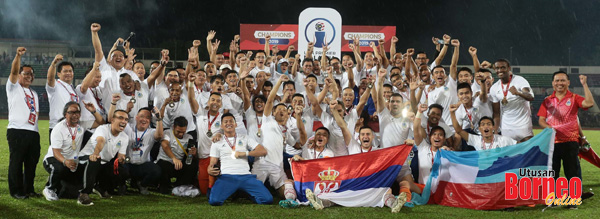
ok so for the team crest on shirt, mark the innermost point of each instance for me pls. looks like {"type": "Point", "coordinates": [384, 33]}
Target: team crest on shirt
{"type": "Point", "coordinates": [79, 130]}
{"type": "Point", "coordinates": [182, 100]}
{"type": "Point", "coordinates": [568, 102]}
{"type": "Point", "coordinates": [218, 124]}
{"type": "Point", "coordinates": [474, 109]}
{"type": "Point", "coordinates": [328, 182]}
{"type": "Point", "coordinates": [139, 95]}
{"type": "Point", "coordinates": [119, 144]}
{"type": "Point", "coordinates": [240, 143]}
{"type": "Point", "coordinates": [445, 88]}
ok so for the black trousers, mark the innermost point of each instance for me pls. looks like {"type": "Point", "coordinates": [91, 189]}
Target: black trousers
{"type": "Point", "coordinates": [567, 153]}
{"type": "Point", "coordinates": [185, 175]}
{"type": "Point", "coordinates": [24, 147]}
{"type": "Point", "coordinates": [59, 172]}
{"type": "Point", "coordinates": [103, 174]}
{"type": "Point", "coordinates": [147, 173]}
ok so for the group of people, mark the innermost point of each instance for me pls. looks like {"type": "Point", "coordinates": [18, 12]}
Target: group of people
{"type": "Point", "coordinates": [236, 124]}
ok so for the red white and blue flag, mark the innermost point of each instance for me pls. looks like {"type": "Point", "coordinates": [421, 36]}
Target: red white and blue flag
{"type": "Point", "coordinates": [365, 174]}
{"type": "Point", "coordinates": [476, 179]}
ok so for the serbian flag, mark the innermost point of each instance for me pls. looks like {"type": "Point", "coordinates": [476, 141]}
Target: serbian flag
{"type": "Point", "coordinates": [366, 175]}
{"type": "Point", "coordinates": [476, 179]}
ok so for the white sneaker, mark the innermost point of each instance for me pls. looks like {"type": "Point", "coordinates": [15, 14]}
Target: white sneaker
{"type": "Point", "coordinates": [314, 201]}
{"type": "Point", "coordinates": [50, 195]}
{"type": "Point", "coordinates": [399, 202]}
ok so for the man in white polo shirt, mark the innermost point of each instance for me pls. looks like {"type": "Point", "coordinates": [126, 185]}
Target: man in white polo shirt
{"type": "Point", "coordinates": [59, 91]}
{"type": "Point", "coordinates": [176, 157]}
{"type": "Point", "coordinates": [62, 158]}
{"type": "Point", "coordinates": [510, 97]}
{"type": "Point", "coordinates": [233, 151]}
{"type": "Point", "coordinates": [22, 130]}
{"type": "Point", "coordinates": [103, 156]}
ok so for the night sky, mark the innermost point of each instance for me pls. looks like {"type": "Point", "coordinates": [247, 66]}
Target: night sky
{"type": "Point", "coordinates": [539, 32]}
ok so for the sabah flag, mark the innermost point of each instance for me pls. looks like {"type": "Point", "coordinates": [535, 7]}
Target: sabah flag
{"type": "Point", "coordinates": [475, 179]}
{"type": "Point", "coordinates": [366, 175]}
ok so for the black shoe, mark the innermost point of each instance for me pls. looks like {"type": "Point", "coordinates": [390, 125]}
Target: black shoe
{"type": "Point", "coordinates": [122, 189]}
{"type": "Point", "coordinates": [34, 195]}
{"type": "Point", "coordinates": [586, 195]}
{"type": "Point", "coordinates": [17, 196]}
{"type": "Point", "coordinates": [84, 200]}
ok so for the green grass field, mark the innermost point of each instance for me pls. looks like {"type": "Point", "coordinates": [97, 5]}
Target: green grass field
{"type": "Point", "coordinates": [156, 205]}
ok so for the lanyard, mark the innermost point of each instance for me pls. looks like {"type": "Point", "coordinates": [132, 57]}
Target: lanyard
{"type": "Point", "coordinates": [73, 134]}
{"type": "Point", "coordinates": [98, 100]}
{"type": "Point", "coordinates": [432, 155]}
{"type": "Point", "coordinates": [179, 143]}
{"type": "Point", "coordinates": [315, 156]}
{"type": "Point", "coordinates": [198, 89]}
{"type": "Point", "coordinates": [505, 91]}
{"type": "Point", "coordinates": [213, 120]}
{"type": "Point", "coordinates": [258, 122]}
{"type": "Point", "coordinates": [349, 109]}
{"type": "Point", "coordinates": [138, 141]}
{"type": "Point", "coordinates": [231, 145]}
{"type": "Point", "coordinates": [73, 95]}
{"type": "Point", "coordinates": [483, 143]}
{"type": "Point", "coordinates": [30, 100]}
{"type": "Point", "coordinates": [470, 116]}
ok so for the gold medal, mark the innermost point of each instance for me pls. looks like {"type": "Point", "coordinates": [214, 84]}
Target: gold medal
{"type": "Point", "coordinates": [504, 101]}
{"type": "Point", "coordinates": [258, 133]}
{"type": "Point", "coordinates": [73, 145]}
{"type": "Point", "coordinates": [209, 133]}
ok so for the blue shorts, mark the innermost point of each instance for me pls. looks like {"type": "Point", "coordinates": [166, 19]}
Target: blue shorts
{"type": "Point", "coordinates": [227, 184]}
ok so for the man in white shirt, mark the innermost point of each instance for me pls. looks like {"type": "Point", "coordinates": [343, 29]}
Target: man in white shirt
{"type": "Point", "coordinates": [176, 157]}
{"type": "Point", "coordinates": [103, 156]}
{"type": "Point", "coordinates": [62, 159]}
{"type": "Point", "coordinates": [131, 100]}
{"type": "Point", "coordinates": [511, 96]}
{"type": "Point", "coordinates": [141, 140]}
{"type": "Point", "coordinates": [90, 92]}
{"type": "Point", "coordinates": [59, 91]}
{"type": "Point", "coordinates": [234, 173]}
{"type": "Point", "coordinates": [22, 130]}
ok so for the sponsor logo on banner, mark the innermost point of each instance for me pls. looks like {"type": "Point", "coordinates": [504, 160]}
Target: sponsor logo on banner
{"type": "Point", "coordinates": [364, 38]}
{"type": "Point", "coordinates": [328, 182]}
{"type": "Point", "coordinates": [277, 37]}
{"type": "Point", "coordinates": [321, 26]}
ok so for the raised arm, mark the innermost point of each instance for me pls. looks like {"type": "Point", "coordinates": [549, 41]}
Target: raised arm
{"type": "Point", "coordinates": [16, 65]}
{"type": "Point", "coordinates": [159, 133]}
{"type": "Point", "coordinates": [92, 109]}
{"type": "Point", "coordinates": [473, 52]}
{"type": "Point", "coordinates": [385, 60]}
{"type": "Point", "coordinates": [393, 46]}
{"type": "Point", "coordinates": [339, 120]}
{"type": "Point", "coordinates": [294, 70]}
{"type": "Point", "coordinates": [163, 62]}
{"type": "Point", "coordinates": [98, 53]}
{"type": "Point", "coordinates": [410, 66]}
{"type": "Point", "coordinates": [413, 85]}
{"type": "Point", "coordinates": [453, 70]}
{"type": "Point", "coordinates": [288, 52]}
{"type": "Point", "coordinates": [52, 70]}
{"type": "Point", "coordinates": [245, 93]}
{"type": "Point", "coordinates": [365, 96]}
{"type": "Point", "coordinates": [309, 50]}
{"type": "Point", "coordinates": [350, 74]}
{"type": "Point", "coordinates": [88, 81]}
{"type": "Point", "coordinates": [269, 105]}
{"type": "Point", "coordinates": [298, 116]}
{"type": "Point", "coordinates": [209, 37]}
{"type": "Point", "coordinates": [419, 132]}
{"type": "Point", "coordinates": [589, 99]}
{"type": "Point", "coordinates": [324, 63]}
{"type": "Point", "coordinates": [442, 54]}
{"type": "Point", "coordinates": [380, 101]}
{"type": "Point", "coordinates": [483, 96]}
{"type": "Point", "coordinates": [113, 106]}
{"type": "Point", "coordinates": [357, 56]}
{"type": "Point", "coordinates": [457, 127]}
{"type": "Point", "coordinates": [191, 95]}
{"type": "Point", "coordinates": [267, 48]}
{"type": "Point", "coordinates": [159, 72]}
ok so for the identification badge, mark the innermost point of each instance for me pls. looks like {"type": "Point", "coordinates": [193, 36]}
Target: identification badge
{"type": "Point", "coordinates": [32, 118]}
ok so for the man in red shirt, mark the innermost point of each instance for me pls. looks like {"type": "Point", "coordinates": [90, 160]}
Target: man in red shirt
{"type": "Point", "coordinates": [559, 111]}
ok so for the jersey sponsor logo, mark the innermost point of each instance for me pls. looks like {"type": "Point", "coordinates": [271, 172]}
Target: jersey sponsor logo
{"type": "Point", "coordinates": [568, 102]}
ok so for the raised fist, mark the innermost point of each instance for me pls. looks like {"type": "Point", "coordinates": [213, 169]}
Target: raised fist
{"type": "Point", "coordinates": [196, 43]}
{"type": "Point", "coordinates": [21, 51]}
{"type": "Point", "coordinates": [394, 39]}
{"type": "Point", "coordinates": [472, 51]}
{"type": "Point", "coordinates": [57, 59]}
{"type": "Point", "coordinates": [95, 27]}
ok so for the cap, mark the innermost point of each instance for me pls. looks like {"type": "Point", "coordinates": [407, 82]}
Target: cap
{"type": "Point", "coordinates": [282, 61]}
{"type": "Point", "coordinates": [224, 66]}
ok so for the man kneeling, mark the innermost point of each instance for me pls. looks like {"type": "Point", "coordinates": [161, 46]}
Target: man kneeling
{"type": "Point", "coordinates": [233, 151]}
{"type": "Point", "coordinates": [177, 146]}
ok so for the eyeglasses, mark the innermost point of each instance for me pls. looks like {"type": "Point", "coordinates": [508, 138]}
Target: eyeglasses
{"type": "Point", "coordinates": [74, 112]}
